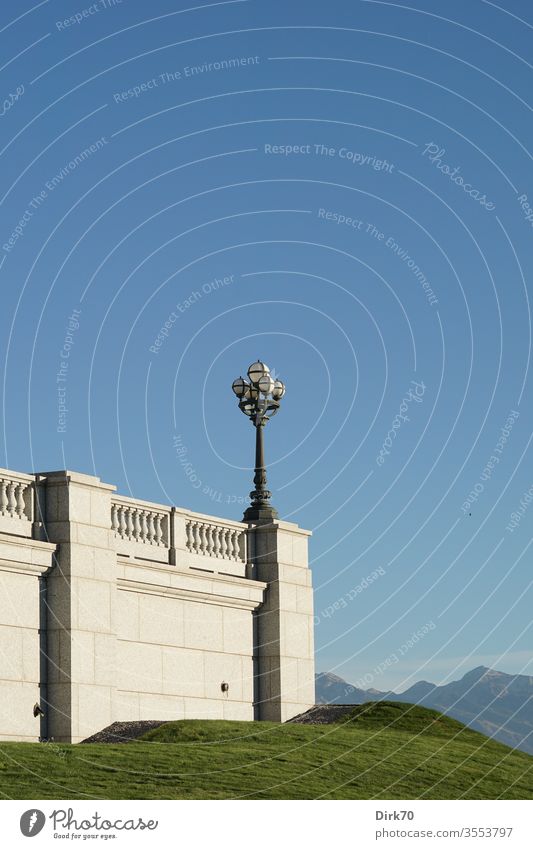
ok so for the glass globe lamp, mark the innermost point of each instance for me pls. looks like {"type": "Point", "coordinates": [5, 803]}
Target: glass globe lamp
{"type": "Point", "coordinates": [278, 390]}
{"type": "Point", "coordinates": [241, 387]}
{"type": "Point", "coordinates": [265, 384]}
{"type": "Point", "coordinates": [256, 371]}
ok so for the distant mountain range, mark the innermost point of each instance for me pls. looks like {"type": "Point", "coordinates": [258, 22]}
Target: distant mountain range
{"type": "Point", "coordinates": [497, 704]}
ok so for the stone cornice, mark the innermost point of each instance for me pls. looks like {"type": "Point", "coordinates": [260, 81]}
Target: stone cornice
{"type": "Point", "coordinates": [201, 596]}
{"type": "Point", "coordinates": [29, 556]}
{"type": "Point", "coordinates": [209, 588]}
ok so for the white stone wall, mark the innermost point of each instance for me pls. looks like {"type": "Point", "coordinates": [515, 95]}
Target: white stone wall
{"type": "Point", "coordinates": [22, 562]}
{"type": "Point", "coordinates": [174, 654]}
{"type": "Point", "coordinates": [150, 609]}
{"type": "Point", "coordinates": [180, 635]}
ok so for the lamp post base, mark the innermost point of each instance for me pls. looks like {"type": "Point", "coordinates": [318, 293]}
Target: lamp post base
{"type": "Point", "coordinates": [260, 513]}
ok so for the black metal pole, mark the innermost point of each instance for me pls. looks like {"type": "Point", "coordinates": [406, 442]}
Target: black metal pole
{"type": "Point", "coordinates": [260, 477]}
{"type": "Point", "coordinates": [260, 509]}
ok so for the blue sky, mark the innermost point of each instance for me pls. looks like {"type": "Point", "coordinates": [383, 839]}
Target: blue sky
{"type": "Point", "coordinates": [343, 190]}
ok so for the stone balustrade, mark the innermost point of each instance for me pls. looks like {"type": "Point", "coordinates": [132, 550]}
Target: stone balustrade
{"type": "Point", "coordinates": [178, 537]}
{"type": "Point", "coordinates": [216, 539]}
{"type": "Point", "coordinates": [138, 525]}
{"type": "Point", "coordinates": [141, 529]}
{"type": "Point", "coordinates": [16, 503]}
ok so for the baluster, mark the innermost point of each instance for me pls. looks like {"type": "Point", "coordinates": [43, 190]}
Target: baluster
{"type": "Point", "coordinates": [125, 521]}
{"type": "Point", "coordinates": [188, 540]}
{"type": "Point", "coordinates": [210, 541]}
{"type": "Point", "coordinates": [196, 533]}
{"type": "Point", "coordinates": [222, 534]}
{"type": "Point", "coordinates": [3, 497]}
{"type": "Point", "coordinates": [227, 540]}
{"type": "Point", "coordinates": [144, 526]}
{"type": "Point", "coordinates": [137, 525]}
{"type": "Point", "coordinates": [203, 538]}
{"type": "Point", "coordinates": [30, 495]}
{"type": "Point", "coordinates": [114, 518]}
{"type": "Point", "coordinates": [216, 541]}
{"type": "Point", "coordinates": [129, 523]}
{"type": "Point", "coordinates": [11, 500]}
{"type": "Point", "coordinates": [151, 528]}
{"type": "Point", "coordinates": [122, 522]}
{"type": "Point", "coordinates": [235, 541]}
{"type": "Point", "coordinates": [158, 529]}
{"type": "Point", "coordinates": [19, 500]}
{"type": "Point", "coordinates": [242, 547]}
{"type": "Point", "coordinates": [164, 529]}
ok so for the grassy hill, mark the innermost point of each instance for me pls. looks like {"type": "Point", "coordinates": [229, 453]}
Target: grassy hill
{"type": "Point", "coordinates": [382, 750]}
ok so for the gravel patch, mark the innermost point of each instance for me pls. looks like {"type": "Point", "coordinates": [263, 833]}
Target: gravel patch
{"type": "Point", "coordinates": [123, 732]}
{"type": "Point", "coordinates": [323, 714]}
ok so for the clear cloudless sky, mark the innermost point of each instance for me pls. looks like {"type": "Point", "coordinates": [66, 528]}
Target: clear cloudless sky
{"type": "Point", "coordinates": [340, 189]}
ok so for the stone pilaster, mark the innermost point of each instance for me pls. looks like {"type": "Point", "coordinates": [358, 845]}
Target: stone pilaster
{"type": "Point", "coordinates": [81, 599]}
{"type": "Point", "coordinates": [285, 671]}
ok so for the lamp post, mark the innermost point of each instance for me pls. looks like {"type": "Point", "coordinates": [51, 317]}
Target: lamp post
{"type": "Point", "coordinates": [259, 399]}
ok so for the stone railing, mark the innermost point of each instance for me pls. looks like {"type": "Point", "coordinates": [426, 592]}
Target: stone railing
{"type": "Point", "coordinates": [17, 495]}
{"type": "Point", "coordinates": [209, 544]}
{"type": "Point", "coordinates": [141, 529]}
{"type": "Point", "coordinates": [180, 538]}
{"type": "Point", "coordinates": [215, 539]}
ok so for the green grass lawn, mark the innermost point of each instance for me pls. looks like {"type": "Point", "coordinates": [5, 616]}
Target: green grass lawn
{"type": "Point", "coordinates": [384, 750]}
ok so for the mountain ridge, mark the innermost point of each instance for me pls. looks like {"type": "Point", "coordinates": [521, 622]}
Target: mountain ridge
{"type": "Point", "coordinates": [496, 703]}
